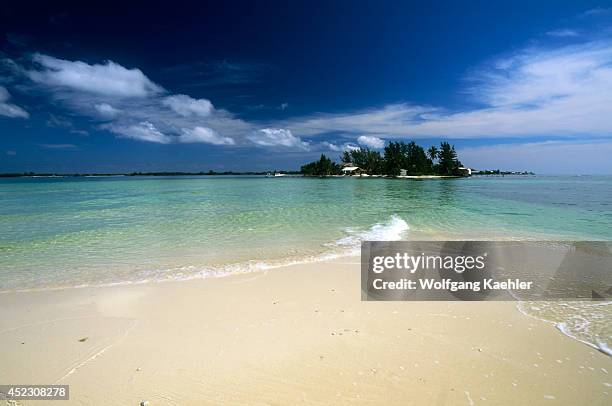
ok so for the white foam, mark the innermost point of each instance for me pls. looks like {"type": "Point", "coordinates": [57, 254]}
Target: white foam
{"type": "Point", "coordinates": [603, 347]}
{"type": "Point", "coordinates": [393, 229]}
{"type": "Point", "coordinates": [573, 329]}
{"type": "Point", "coordinates": [599, 345]}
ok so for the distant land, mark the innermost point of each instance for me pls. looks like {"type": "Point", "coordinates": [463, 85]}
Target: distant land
{"type": "Point", "coordinates": [202, 173]}
{"type": "Point", "coordinates": [494, 172]}
{"type": "Point", "coordinates": [499, 172]}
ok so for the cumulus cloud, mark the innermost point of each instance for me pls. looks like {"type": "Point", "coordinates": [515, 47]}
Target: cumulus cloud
{"type": "Point", "coordinates": [331, 146]}
{"type": "Point", "coordinates": [106, 110]}
{"type": "Point", "coordinates": [347, 146]}
{"type": "Point", "coordinates": [204, 135]}
{"type": "Point", "coordinates": [188, 106]}
{"type": "Point", "coordinates": [273, 137]}
{"type": "Point", "coordinates": [8, 109]}
{"type": "Point", "coordinates": [144, 131]}
{"type": "Point", "coordinates": [147, 131]}
{"type": "Point", "coordinates": [371, 141]}
{"type": "Point", "coordinates": [108, 79]}
{"type": "Point", "coordinates": [100, 92]}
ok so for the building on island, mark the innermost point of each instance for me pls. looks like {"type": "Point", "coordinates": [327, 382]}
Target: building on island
{"type": "Point", "coordinates": [465, 171]}
{"type": "Point", "coordinates": [351, 170]}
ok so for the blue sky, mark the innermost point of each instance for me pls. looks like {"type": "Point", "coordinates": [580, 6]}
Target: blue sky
{"type": "Point", "coordinates": [242, 86]}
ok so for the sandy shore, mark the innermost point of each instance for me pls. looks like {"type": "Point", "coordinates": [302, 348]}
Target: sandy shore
{"type": "Point", "coordinates": [295, 335]}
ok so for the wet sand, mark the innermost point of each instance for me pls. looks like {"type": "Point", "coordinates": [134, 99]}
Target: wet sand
{"type": "Point", "coordinates": [293, 335]}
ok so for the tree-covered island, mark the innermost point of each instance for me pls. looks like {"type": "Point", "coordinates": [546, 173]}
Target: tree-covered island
{"type": "Point", "coordinates": [398, 158]}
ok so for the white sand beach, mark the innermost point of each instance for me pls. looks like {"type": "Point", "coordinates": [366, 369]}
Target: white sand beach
{"type": "Point", "coordinates": [293, 335]}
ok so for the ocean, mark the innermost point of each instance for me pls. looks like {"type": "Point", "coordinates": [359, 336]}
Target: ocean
{"type": "Point", "coordinates": [67, 232]}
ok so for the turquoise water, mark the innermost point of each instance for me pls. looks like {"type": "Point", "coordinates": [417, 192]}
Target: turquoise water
{"type": "Point", "coordinates": [63, 232]}
{"type": "Point", "coordinates": [78, 231]}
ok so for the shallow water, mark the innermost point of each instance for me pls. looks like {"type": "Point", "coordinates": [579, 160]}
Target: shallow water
{"type": "Point", "coordinates": [66, 231]}
{"type": "Point", "coordinates": [60, 232]}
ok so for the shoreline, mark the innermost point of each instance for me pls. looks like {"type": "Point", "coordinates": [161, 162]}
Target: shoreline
{"type": "Point", "coordinates": [294, 334]}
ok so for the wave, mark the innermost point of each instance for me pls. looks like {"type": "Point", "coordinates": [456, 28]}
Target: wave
{"type": "Point", "coordinates": [585, 322]}
{"type": "Point", "coordinates": [393, 229]}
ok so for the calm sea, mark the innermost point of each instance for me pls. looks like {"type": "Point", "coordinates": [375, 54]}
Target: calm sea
{"type": "Point", "coordinates": [58, 232]}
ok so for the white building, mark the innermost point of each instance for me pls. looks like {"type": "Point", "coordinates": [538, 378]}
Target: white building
{"type": "Point", "coordinates": [351, 170]}
{"type": "Point", "coordinates": [465, 171]}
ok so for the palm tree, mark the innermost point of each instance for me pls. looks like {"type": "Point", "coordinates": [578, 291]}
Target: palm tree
{"type": "Point", "coordinates": [432, 152]}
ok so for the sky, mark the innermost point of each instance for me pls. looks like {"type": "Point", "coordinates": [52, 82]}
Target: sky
{"type": "Point", "coordinates": [109, 88]}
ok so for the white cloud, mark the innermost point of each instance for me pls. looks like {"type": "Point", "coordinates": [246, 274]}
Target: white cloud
{"type": "Point", "coordinates": [351, 147]}
{"type": "Point", "coordinates": [204, 135]}
{"type": "Point", "coordinates": [187, 106]}
{"type": "Point", "coordinates": [339, 147]}
{"type": "Point", "coordinates": [144, 131]}
{"type": "Point", "coordinates": [106, 110]}
{"type": "Point", "coordinates": [371, 141]}
{"type": "Point", "coordinates": [108, 79]}
{"type": "Point", "coordinates": [536, 92]}
{"type": "Point", "coordinates": [147, 131]}
{"type": "Point", "coordinates": [562, 91]}
{"type": "Point", "coordinates": [563, 33]}
{"type": "Point", "coordinates": [331, 147]}
{"type": "Point", "coordinates": [272, 137]}
{"type": "Point", "coordinates": [370, 121]}
{"type": "Point", "coordinates": [156, 116]}
{"type": "Point", "coordinates": [9, 109]}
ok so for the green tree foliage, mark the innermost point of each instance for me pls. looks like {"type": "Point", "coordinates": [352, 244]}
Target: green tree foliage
{"type": "Point", "coordinates": [432, 152]}
{"type": "Point", "coordinates": [417, 162]}
{"type": "Point", "coordinates": [449, 164]}
{"type": "Point", "coordinates": [323, 167]}
{"type": "Point", "coordinates": [368, 160]}
{"type": "Point", "coordinates": [411, 157]}
{"type": "Point", "coordinates": [395, 158]}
